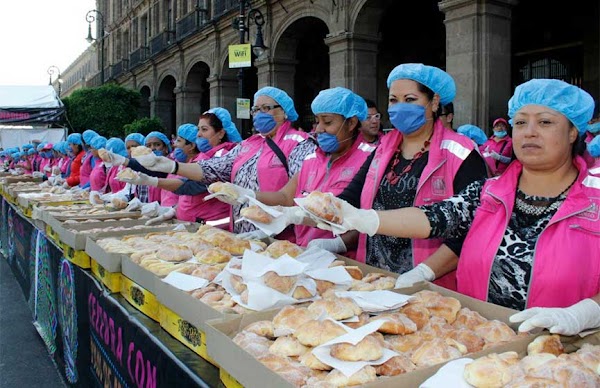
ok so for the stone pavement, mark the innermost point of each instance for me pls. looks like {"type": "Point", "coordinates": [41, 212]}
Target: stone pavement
{"type": "Point", "coordinates": [24, 360]}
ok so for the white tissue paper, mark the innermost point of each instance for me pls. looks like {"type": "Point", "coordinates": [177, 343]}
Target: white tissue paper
{"type": "Point", "coordinates": [450, 375]}
{"type": "Point", "coordinates": [185, 282]}
{"type": "Point", "coordinates": [376, 301]}
{"type": "Point", "coordinates": [278, 224]}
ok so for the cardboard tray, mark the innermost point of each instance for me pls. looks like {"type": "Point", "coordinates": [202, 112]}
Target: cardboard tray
{"type": "Point", "coordinates": [114, 262]}
{"type": "Point", "coordinates": [252, 374]}
{"type": "Point", "coordinates": [112, 215]}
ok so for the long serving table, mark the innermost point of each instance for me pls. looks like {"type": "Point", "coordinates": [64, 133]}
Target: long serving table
{"type": "Point", "coordinates": [95, 337]}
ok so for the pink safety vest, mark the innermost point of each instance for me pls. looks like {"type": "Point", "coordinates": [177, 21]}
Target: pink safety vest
{"type": "Point", "coordinates": [317, 175]}
{"type": "Point", "coordinates": [86, 168]}
{"type": "Point", "coordinates": [566, 263]}
{"type": "Point", "coordinates": [98, 177]}
{"type": "Point", "coordinates": [43, 163]}
{"type": "Point", "coordinates": [114, 184]}
{"type": "Point", "coordinates": [192, 207]}
{"type": "Point", "coordinates": [502, 147]}
{"type": "Point", "coordinates": [447, 151]}
{"type": "Point", "coordinates": [64, 166]}
{"type": "Point", "coordinates": [271, 174]}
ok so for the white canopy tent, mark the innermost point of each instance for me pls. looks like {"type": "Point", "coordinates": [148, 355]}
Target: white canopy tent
{"type": "Point", "coordinates": [27, 113]}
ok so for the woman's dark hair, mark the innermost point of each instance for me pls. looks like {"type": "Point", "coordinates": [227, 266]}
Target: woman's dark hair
{"type": "Point", "coordinates": [425, 90]}
{"type": "Point", "coordinates": [216, 123]}
{"type": "Point", "coordinates": [578, 147]}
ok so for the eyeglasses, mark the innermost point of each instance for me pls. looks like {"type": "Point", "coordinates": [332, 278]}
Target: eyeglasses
{"type": "Point", "coordinates": [376, 116]}
{"type": "Point", "coordinates": [263, 108]}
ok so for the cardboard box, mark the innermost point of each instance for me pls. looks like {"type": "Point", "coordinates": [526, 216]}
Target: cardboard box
{"type": "Point", "coordinates": [112, 280]}
{"type": "Point", "coordinates": [250, 373]}
{"type": "Point", "coordinates": [140, 298]}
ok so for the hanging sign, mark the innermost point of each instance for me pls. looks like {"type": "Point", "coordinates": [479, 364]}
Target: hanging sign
{"type": "Point", "coordinates": [240, 55]}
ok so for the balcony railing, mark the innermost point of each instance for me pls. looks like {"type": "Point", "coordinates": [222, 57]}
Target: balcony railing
{"type": "Point", "coordinates": [191, 23]}
{"type": "Point", "coordinates": [138, 56]}
{"type": "Point", "coordinates": [224, 6]}
{"type": "Point", "coordinates": [161, 41]}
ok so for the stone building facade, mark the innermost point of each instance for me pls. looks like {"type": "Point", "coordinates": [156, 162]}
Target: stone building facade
{"type": "Point", "coordinates": [175, 52]}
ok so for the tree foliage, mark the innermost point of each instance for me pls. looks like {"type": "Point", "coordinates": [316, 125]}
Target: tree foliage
{"type": "Point", "coordinates": [105, 109]}
{"type": "Point", "coordinates": [144, 126]}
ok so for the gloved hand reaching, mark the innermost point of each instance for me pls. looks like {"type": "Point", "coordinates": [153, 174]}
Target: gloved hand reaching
{"type": "Point", "coordinates": [37, 174]}
{"type": "Point", "coordinates": [157, 163]}
{"type": "Point", "coordinates": [95, 198]}
{"type": "Point", "coordinates": [134, 204]}
{"type": "Point", "coordinates": [500, 158]}
{"type": "Point", "coordinates": [229, 193]}
{"type": "Point", "coordinates": [112, 158]}
{"type": "Point", "coordinates": [47, 168]}
{"type": "Point", "coordinates": [418, 274]}
{"type": "Point", "coordinates": [364, 221]}
{"type": "Point", "coordinates": [141, 179]}
{"type": "Point", "coordinates": [567, 321]}
{"type": "Point", "coordinates": [335, 245]}
{"type": "Point", "coordinates": [150, 209]}
{"type": "Point", "coordinates": [164, 214]}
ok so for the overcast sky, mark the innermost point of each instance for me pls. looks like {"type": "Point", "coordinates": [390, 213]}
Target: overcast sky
{"type": "Point", "coordinates": [36, 34]}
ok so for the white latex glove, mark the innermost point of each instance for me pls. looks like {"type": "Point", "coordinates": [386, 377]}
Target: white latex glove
{"type": "Point", "coordinates": [164, 214]}
{"type": "Point", "coordinates": [157, 163]}
{"type": "Point", "coordinates": [335, 245]}
{"type": "Point", "coordinates": [112, 158]}
{"type": "Point", "coordinates": [37, 174]}
{"type": "Point", "coordinates": [364, 221]}
{"type": "Point", "coordinates": [95, 198]}
{"type": "Point", "coordinates": [66, 185]}
{"type": "Point", "coordinates": [254, 235]}
{"type": "Point", "coordinates": [418, 274]}
{"type": "Point", "coordinates": [142, 179]}
{"type": "Point", "coordinates": [567, 321]}
{"type": "Point", "coordinates": [239, 198]}
{"type": "Point", "coordinates": [150, 209]}
{"type": "Point", "coordinates": [47, 169]}
{"type": "Point", "coordinates": [134, 204]}
{"type": "Point", "coordinates": [294, 215]}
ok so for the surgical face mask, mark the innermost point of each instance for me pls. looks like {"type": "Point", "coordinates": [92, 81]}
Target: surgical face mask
{"type": "Point", "coordinates": [264, 122]}
{"type": "Point", "coordinates": [594, 128]}
{"type": "Point", "coordinates": [407, 118]}
{"type": "Point", "coordinates": [158, 153]}
{"type": "Point", "coordinates": [500, 134]}
{"type": "Point", "coordinates": [180, 155]}
{"type": "Point", "coordinates": [203, 144]}
{"type": "Point", "coordinates": [328, 142]}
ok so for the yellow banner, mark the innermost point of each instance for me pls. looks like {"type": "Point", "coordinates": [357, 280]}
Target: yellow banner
{"type": "Point", "coordinates": [240, 55]}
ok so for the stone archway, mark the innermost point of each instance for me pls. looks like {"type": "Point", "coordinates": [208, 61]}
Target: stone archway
{"type": "Point", "coordinates": [144, 110]}
{"type": "Point", "coordinates": [165, 105]}
{"type": "Point", "coordinates": [194, 97]}
{"type": "Point", "coordinates": [301, 64]}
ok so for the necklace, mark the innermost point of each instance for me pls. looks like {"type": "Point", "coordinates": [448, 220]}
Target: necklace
{"type": "Point", "coordinates": [391, 176]}
{"type": "Point", "coordinates": [538, 206]}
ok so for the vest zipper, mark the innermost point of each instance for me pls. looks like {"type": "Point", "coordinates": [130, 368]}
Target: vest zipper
{"type": "Point", "coordinates": [487, 293]}
{"type": "Point", "coordinates": [586, 229]}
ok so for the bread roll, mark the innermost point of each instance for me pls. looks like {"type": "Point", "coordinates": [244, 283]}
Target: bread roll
{"type": "Point", "coordinates": [127, 174]}
{"type": "Point", "coordinates": [445, 307]}
{"type": "Point", "coordinates": [325, 206]}
{"type": "Point", "coordinates": [300, 292]}
{"type": "Point", "coordinates": [172, 252]}
{"type": "Point", "coordinates": [363, 376]}
{"type": "Point", "coordinates": [290, 318]}
{"type": "Point", "coordinates": [490, 371]}
{"type": "Point", "coordinates": [255, 213]}
{"type": "Point", "coordinates": [282, 247]}
{"type": "Point", "coordinates": [546, 344]}
{"type": "Point", "coordinates": [495, 331]}
{"type": "Point", "coordinates": [213, 256]}
{"type": "Point", "coordinates": [354, 272]}
{"type": "Point", "coordinates": [288, 347]}
{"type": "Point", "coordinates": [254, 344]}
{"type": "Point", "coordinates": [237, 283]}
{"type": "Point", "coordinates": [368, 349]}
{"type": "Point", "coordinates": [140, 151]}
{"type": "Point", "coordinates": [309, 360]}
{"type": "Point", "coordinates": [118, 203]}
{"type": "Point", "coordinates": [208, 272]}
{"type": "Point", "coordinates": [434, 352]}
{"type": "Point", "coordinates": [468, 319]}
{"type": "Point", "coordinates": [588, 355]}
{"type": "Point", "coordinates": [261, 328]}
{"type": "Point", "coordinates": [338, 309]}
{"type": "Point", "coordinates": [468, 338]}
{"type": "Point", "coordinates": [404, 343]}
{"type": "Point", "coordinates": [363, 319]}
{"type": "Point", "coordinates": [566, 372]}
{"type": "Point", "coordinates": [396, 323]}
{"type": "Point", "coordinates": [315, 333]}
{"type": "Point", "coordinates": [283, 284]}
{"type": "Point", "coordinates": [395, 366]}
{"type": "Point", "coordinates": [416, 313]}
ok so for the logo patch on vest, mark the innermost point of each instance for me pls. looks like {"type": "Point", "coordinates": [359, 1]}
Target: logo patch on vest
{"type": "Point", "coordinates": [245, 149]}
{"type": "Point", "coordinates": [310, 179]}
{"type": "Point", "coordinates": [347, 172]}
{"type": "Point", "coordinates": [591, 214]}
{"type": "Point", "coordinates": [438, 186]}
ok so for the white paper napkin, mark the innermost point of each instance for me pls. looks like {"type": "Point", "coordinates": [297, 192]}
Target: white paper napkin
{"type": "Point", "coordinates": [376, 301]}
{"type": "Point", "coordinates": [348, 368]}
{"type": "Point", "coordinates": [185, 282]}
{"type": "Point", "coordinates": [255, 265]}
{"type": "Point", "coordinates": [450, 375]}
{"type": "Point", "coordinates": [335, 228]}
{"type": "Point", "coordinates": [337, 275]}
{"type": "Point", "coordinates": [316, 258]}
{"type": "Point", "coordinates": [276, 226]}
{"type": "Point", "coordinates": [261, 297]}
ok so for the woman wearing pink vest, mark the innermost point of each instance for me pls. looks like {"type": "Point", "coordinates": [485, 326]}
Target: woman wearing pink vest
{"type": "Point", "coordinates": [532, 235]}
{"type": "Point", "coordinates": [99, 174]}
{"type": "Point", "coordinates": [592, 132]}
{"type": "Point", "coordinates": [117, 146]}
{"type": "Point", "coordinates": [89, 161]}
{"type": "Point", "coordinates": [331, 167]}
{"type": "Point", "coordinates": [215, 136]}
{"type": "Point", "coordinates": [497, 150]}
{"type": "Point", "coordinates": [264, 162]}
{"type": "Point", "coordinates": [418, 163]}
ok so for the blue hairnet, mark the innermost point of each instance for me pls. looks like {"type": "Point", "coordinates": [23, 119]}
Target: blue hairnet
{"type": "Point", "coordinates": [136, 137]}
{"type": "Point", "coordinates": [593, 147]}
{"type": "Point", "coordinates": [574, 103]}
{"type": "Point", "coordinates": [88, 135]}
{"type": "Point", "coordinates": [63, 147]}
{"type": "Point", "coordinates": [31, 151]}
{"type": "Point", "coordinates": [98, 142]}
{"type": "Point", "coordinates": [74, 138]}
{"type": "Point", "coordinates": [473, 132]}
{"type": "Point", "coordinates": [233, 135]}
{"type": "Point", "coordinates": [27, 146]}
{"type": "Point", "coordinates": [281, 98]}
{"type": "Point", "coordinates": [341, 101]}
{"type": "Point", "coordinates": [16, 155]}
{"type": "Point", "coordinates": [188, 132]}
{"type": "Point", "coordinates": [435, 79]}
{"type": "Point", "coordinates": [162, 137]}
{"type": "Point", "coordinates": [41, 146]}
{"type": "Point", "coordinates": [116, 145]}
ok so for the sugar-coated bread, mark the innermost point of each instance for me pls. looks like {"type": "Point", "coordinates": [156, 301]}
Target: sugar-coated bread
{"type": "Point", "coordinates": [495, 331]}
{"type": "Point", "coordinates": [395, 323]}
{"type": "Point", "coordinates": [468, 318]}
{"type": "Point", "coordinates": [490, 371]}
{"type": "Point", "coordinates": [126, 173]}
{"type": "Point", "coordinates": [468, 338]}
{"type": "Point", "coordinates": [324, 205]}
{"type": "Point", "coordinates": [290, 318]}
{"type": "Point", "coordinates": [309, 360]}
{"type": "Point", "coordinates": [300, 292]}
{"type": "Point", "coordinates": [288, 347]}
{"type": "Point", "coordinates": [281, 247]}
{"type": "Point", "coordinates": [261, 328]}
{"type": "Point", "coordinates": [338, 308]}
{"type": "Point", "coordinates": [140, 151]}
{"type": "Point", "coordinates": [434, 352]}
{"type": "Point", "coordinates": [213, 256]}
{"type": "Point", "coordinates": [406, 344]}
{"type": "Point", "coordinates": [354, 272]}
{"type": "Point", "coordinates": [173, 252]}
{"type": "Point", "coordinates": [416, 313]}
{"type": "Point", "coordinates": [368, 349]}
{"type": "Point", "coordinates": [395, 366]}
{"type": "Point", "coordinates": [546, 344]}
{"type": "Point", "coordinates": [255, 213]}
{"type": "Point", "coordinates": [315, 333]}
{"type": "Point", "coordinates": [283, 284]}
{"type": "Point", "coordinates": [363, 376]}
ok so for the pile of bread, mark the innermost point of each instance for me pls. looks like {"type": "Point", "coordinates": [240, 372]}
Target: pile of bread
{"type": "Point", "coordinates": [546, 365]}
{"type": "Point", "coordinates": [429, 330]}
{"type": "Point", "coordinates": [109, 229]}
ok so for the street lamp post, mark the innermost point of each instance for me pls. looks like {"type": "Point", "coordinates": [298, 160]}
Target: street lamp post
{"type": "Point", "coordinates": [242, 24]}
{"type": "Point", "coordinates": [51, 71]}
{"type": "Point", "coordinates": [90, 18]}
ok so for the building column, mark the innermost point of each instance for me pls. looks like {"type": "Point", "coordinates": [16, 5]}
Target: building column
{"type": "Point", "coordinates": [277, 72]}
{"type": "Point", "coordinates": [353, 63]}
{"type": "Point", "coordinates": [189, 106]}
{"type": "Point", "coordinates": [179, 105]}
{"type": "Point", "coordinates": [478, 56]}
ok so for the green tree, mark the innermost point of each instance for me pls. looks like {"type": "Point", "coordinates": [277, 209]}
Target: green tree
{"type": "Point", "coordinates": [105, 109]}
{"type": "Point", "coordinates": [144, 126]}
